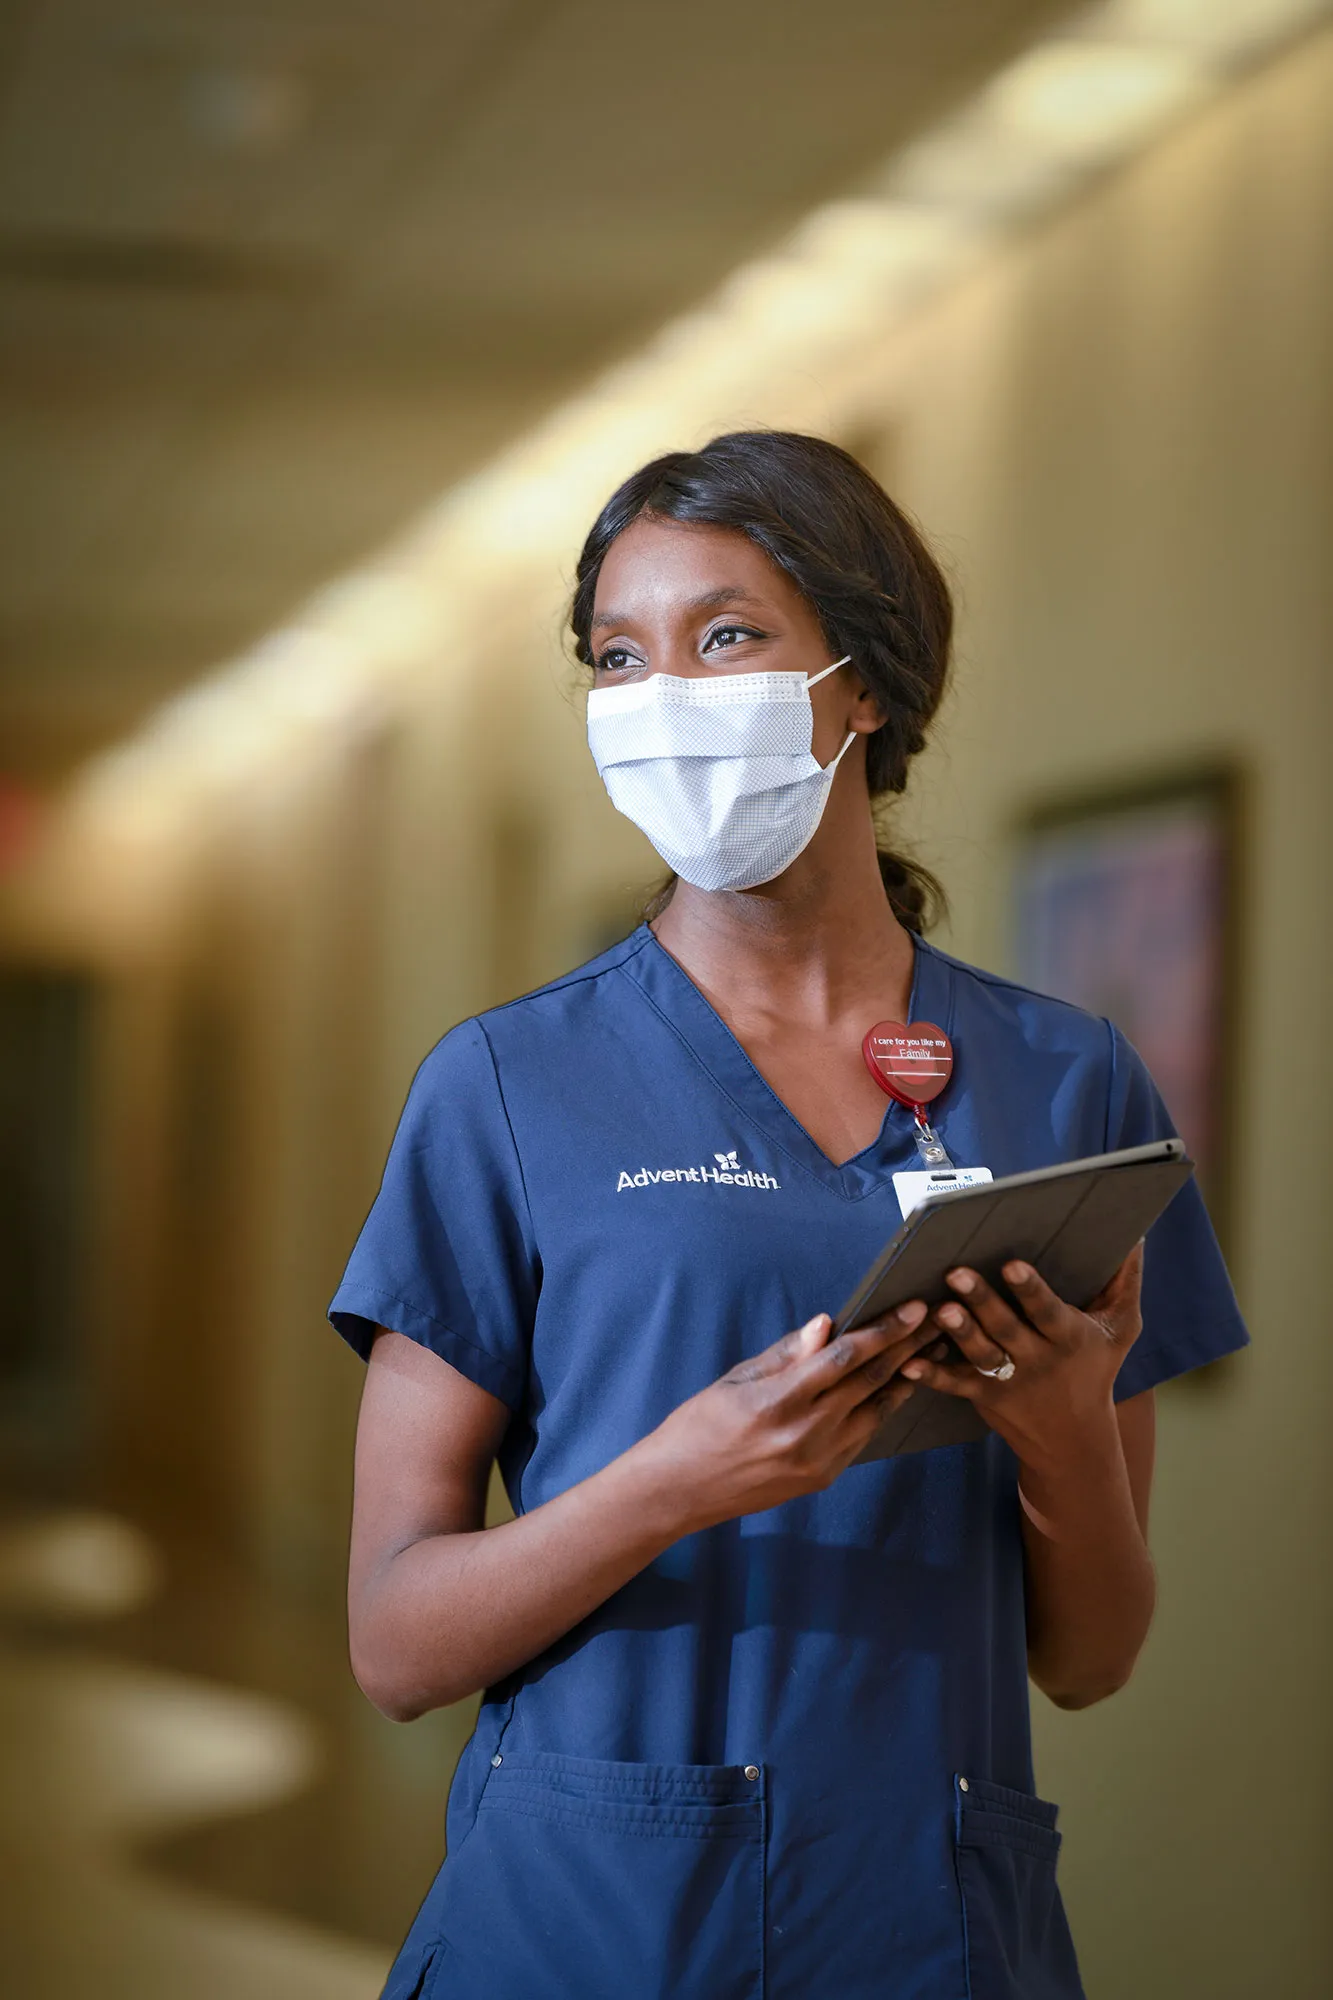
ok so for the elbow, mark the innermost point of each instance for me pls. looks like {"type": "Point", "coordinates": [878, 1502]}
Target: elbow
{"type": "Point", "coordinates": [1075, 1675]}
{"type": "Point", "coordinates": [1084, 1697]}
{"type": "Point", "coordinates": [385, 1690]}
{"type": "Point", "coordinates": [396, 1704]}
{"type": "Point", "coordinates": [1073, 1692]}
{"type": "Point", "coordinates": [389, 1684]}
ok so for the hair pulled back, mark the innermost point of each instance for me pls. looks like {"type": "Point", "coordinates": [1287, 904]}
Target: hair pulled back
{"type": "Point", "coordinates": [878, 592]}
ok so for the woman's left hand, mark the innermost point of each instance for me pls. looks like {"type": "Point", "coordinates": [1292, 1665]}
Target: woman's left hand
{"type": "Point", "coordinates": [1064, 1361]}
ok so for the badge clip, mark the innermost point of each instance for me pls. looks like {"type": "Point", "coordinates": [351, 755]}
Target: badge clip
{"type": "Point", "coordinates": [912, 1064]}
{"type": "Point", "coordinates": [928, 1141]}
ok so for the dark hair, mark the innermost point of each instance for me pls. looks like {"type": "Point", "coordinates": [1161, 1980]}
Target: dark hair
{"type": "Point", "coordinates": [877, 590]}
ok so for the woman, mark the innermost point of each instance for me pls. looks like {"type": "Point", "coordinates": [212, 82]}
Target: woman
{"type": "Point", "coordinates": [756, 1718]}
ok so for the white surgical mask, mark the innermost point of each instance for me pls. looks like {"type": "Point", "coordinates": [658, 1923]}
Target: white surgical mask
{"type": "Point", "coordinates": [718, 773]}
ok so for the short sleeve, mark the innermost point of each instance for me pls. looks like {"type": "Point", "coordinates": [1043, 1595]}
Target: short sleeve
{"type": "Point", "coordinates": [447, 1254]}
{"type": "Point", "coordinates": [1190, 1315]}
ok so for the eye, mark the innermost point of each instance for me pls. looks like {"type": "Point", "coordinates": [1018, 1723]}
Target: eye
{"type": "Point", "coordinates": [616, 660]}
{"type": "Point", "coordinates": [723, 636]}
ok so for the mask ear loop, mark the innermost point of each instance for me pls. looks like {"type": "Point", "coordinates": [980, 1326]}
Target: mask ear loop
{"type": "Point", "coordinates": [813, 680]}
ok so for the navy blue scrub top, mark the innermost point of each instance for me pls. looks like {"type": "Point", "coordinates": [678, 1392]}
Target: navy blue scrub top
{"type": "Point", "coordinates": [791, 1759]}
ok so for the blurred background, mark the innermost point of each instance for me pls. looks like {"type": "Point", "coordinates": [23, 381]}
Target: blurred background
{"type": "Point", "coordinates": [326, 328]}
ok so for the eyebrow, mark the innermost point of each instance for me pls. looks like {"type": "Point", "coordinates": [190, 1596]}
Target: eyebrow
{"type": "Point", "coordinates": [712, 600]}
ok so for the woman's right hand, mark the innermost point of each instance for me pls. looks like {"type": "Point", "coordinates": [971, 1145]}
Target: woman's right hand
{"type": "Point", "coordinates": [441, 1605]}
{"type": "Point", "coordinates": [787, 1422]}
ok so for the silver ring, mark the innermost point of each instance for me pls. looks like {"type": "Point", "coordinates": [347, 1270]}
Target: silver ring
{"type": "Point", "coordinates": [1006, 1371]}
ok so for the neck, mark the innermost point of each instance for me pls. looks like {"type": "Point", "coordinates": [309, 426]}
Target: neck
{"type": "Point", "coordinates": [818, 946]}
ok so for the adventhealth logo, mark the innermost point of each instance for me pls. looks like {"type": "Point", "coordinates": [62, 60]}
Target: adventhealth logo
{"type": "Point", "coordinates": [727, 1173]}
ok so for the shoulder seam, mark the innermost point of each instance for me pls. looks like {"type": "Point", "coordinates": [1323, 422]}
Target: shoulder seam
{"type": "Point", "coordinates": [988, 978]}
{"type": "Point", "coordinates": [509, 1128]}
{"type": "Point", "coordinates": [582, 975]}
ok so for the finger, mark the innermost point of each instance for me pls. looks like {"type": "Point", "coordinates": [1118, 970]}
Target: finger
{"type": "Point", "coordinates": [885, 1401]}
{"type": "Point", "coordinates": [995, 1315]}
{"type": "Point", "coordinates": [857, 1364]}
{"type": "Point", "coordinates": [862, 1422]}
{"type": "Point", "coordinates": [1053, 1318]}
{"type": "Point", "coordinates": [783, 1354]}
{"type": "Point", "coordinates": [873, 1409]}
{"type": "Point", "coordinates": [873, 1379]}
{"type": "Point", "coordinates": [964, 1383]}
{"type": "Point", "coordinates": [854, 1349]}
{"type": "Point", "coordinates": [975, 1343]}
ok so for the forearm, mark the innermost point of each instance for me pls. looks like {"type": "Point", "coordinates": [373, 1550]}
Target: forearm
{"type": "Point", "coordinates": [439, 1606]}
{"type": "Point", "coordinates": [1090, 1582]}
{"type": "Point", "coordinates": [452, 1613]}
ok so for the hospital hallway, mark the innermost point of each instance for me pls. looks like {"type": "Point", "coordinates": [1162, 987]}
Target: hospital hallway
{"type": "Point", "coordinates": [326, 329]}
{"type": "Point", "coordinates": [194, 1798]}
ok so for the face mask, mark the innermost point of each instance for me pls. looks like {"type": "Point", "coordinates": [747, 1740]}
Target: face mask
{"type": "Point", "coordinates": [718, 773]}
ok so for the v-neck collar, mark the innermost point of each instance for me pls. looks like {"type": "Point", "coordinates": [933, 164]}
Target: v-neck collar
{"type": "Point", "coordinates": [673, 994]}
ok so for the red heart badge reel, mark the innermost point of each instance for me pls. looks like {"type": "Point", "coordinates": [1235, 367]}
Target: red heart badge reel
{"type": "Point", "coordinates": [912, 1064]}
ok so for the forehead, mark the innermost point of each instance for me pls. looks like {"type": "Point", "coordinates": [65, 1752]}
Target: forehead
{"type": "Point", "coordinates": [665, 564]}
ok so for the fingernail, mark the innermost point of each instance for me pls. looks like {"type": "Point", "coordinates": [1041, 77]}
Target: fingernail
{"type": "Point", "coordinates": [962, 1281]}
{"type": "Point", "coordinates": [1017, 1274]}
{"type": "Point", "coordinates": [912, 1371]}
{"type": "Point", "coordinates": [911, 1314]}
{"type": "Point", "coordinates": [950, 1315]}
{"type": "Point", "coordinates": [815, 1325]}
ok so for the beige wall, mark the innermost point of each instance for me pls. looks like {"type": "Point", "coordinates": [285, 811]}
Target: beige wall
{"type": "Point", "coordinates": [1122, 436]}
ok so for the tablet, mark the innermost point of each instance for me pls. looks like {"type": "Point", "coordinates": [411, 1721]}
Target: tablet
{"type": "Point", "coordinates": [1075, 1224]}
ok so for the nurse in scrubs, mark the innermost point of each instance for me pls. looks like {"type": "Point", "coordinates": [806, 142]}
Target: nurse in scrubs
{"type": "Point", "coordinates": [755, 1717]}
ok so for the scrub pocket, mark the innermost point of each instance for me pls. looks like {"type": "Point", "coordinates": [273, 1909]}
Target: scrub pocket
{"type": "Point", "coordinates": [413, 1974]}
{"type": "Point", "coordinates": [586, 1880]}
{"type": "Point", "coordinates": [1017, 1940]}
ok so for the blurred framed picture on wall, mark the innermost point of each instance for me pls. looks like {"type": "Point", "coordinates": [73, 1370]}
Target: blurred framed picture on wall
{"type": "Point", "coordinates": [1125, 904]}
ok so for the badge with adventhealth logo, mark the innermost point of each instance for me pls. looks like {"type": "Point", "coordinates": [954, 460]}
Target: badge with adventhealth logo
{"type": "Point", "coordinates": [726, 1171]}
{"type": "Point", "coordinates": [913, 1189]}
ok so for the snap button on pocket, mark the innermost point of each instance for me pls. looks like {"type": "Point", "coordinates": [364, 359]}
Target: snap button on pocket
{"type": "Point", "coordinates": [752, 1772]}
{"type": "Point", "coordinates": [578, 1871]}
{"type": "Point", "coordinates": [1016, 1942]}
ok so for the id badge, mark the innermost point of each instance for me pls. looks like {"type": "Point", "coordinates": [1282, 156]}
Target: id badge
{"type": "Point", "coordinates": [914, 1188]}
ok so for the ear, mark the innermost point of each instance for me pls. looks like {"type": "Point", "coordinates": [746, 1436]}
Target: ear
{"type": "Point", "coordinates": [866, 714]}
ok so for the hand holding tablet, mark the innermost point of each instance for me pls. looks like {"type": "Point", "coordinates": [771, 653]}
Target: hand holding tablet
{"type": "Point", "coordinates": [1075, 1224]}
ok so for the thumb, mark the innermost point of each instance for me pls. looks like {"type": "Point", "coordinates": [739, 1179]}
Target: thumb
{"type": "Point", "coordinates": [784, 1353]}
{"type": "Point", "coordinates": [808, 1339]}
{"type": "Point", "coordinates": [792, 1347]}
{"type": "Point", "coordinates": [1117, 1304]}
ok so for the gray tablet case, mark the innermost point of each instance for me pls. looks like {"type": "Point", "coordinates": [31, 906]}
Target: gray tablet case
{"type": "Point", "coordinates": [1075, 1224]}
